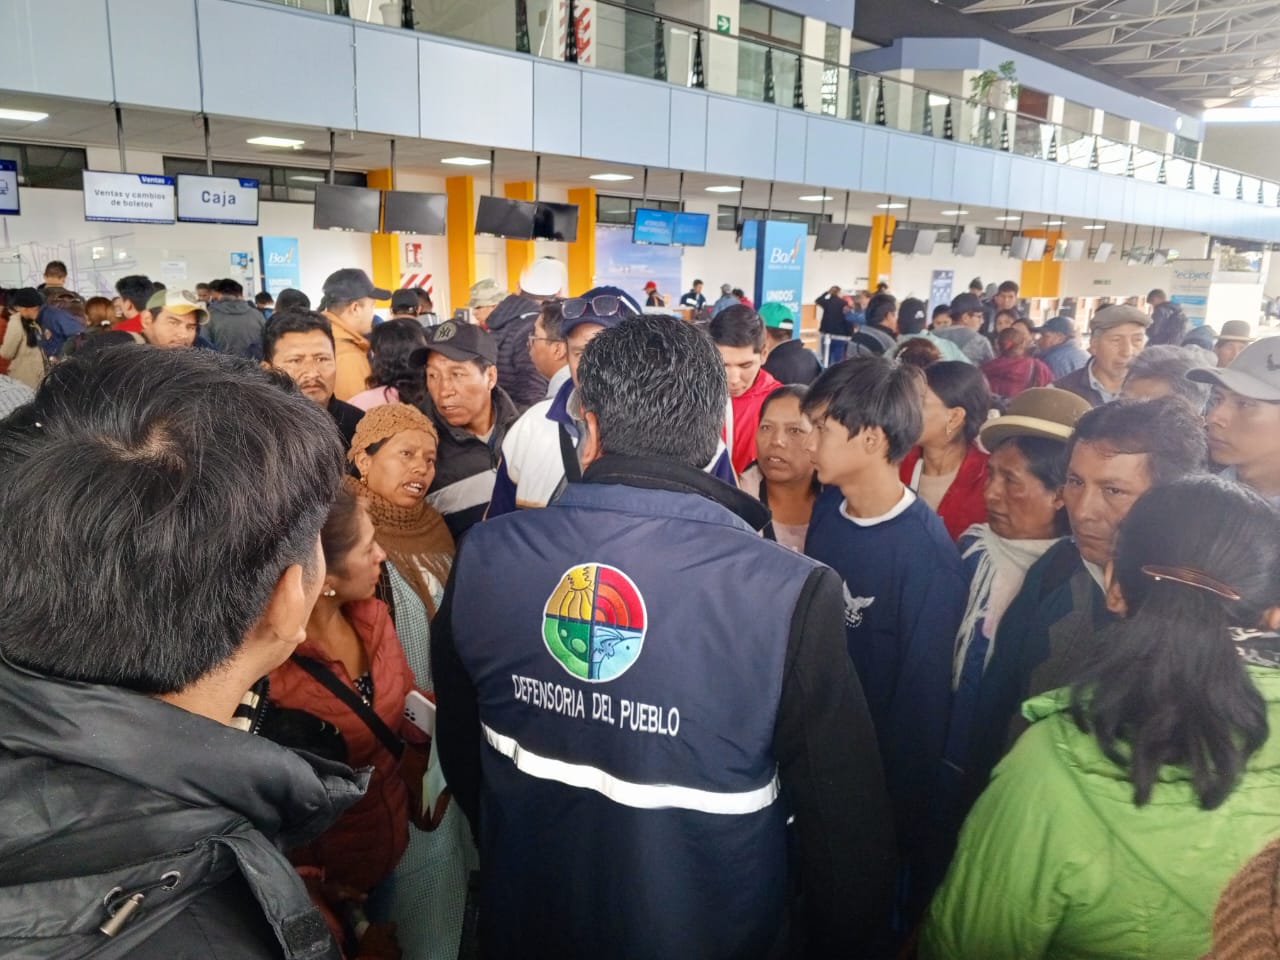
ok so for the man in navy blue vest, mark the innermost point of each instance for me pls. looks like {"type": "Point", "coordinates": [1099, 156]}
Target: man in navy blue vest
{"type": "Point", "coordinates": [636, 692]}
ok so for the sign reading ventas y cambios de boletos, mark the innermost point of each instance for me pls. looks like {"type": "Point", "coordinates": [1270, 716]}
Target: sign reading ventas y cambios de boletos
{"type": "Point", "coordinates": [128, 197]}
{"type": "Point", "coordinates": [217, 200]}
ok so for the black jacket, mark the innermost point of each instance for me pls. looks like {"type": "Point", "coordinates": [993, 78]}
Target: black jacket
{"type": "Point", "coordinates": [105, 794]}
{"type": "Point", "coordinates": [792, 362]}
{"type": "Point", "coordinates": [833, 320]}
{"type": "Point", "coordinates": [347, 417]}
{"type": "Point", "coordinates": [466, 466]}
{"type": "Point", "coordinates": [235, 326]}
{"type": "Point", "coordinates": [511, 323]}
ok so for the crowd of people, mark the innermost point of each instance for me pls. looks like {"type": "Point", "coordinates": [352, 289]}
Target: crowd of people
{"type": "Point", "coordinates": [570, 628]}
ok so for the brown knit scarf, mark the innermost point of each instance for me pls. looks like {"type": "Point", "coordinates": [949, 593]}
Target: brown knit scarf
{"type": "Point", "coordinates": [1246, 925]}
{"type": "Point", "coordinates": [416, 540]}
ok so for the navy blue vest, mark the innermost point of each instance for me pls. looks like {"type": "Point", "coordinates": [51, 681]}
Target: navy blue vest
{"type": "Point", "coordinates": [627, 650]}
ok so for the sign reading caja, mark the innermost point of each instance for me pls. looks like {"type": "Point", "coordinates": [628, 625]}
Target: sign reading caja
{"type": "Point", "coordinates": [128, 197]}
{"type": "Point", "coordinates": [217, 200]}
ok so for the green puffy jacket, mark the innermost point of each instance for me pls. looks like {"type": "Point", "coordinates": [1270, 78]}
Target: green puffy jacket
{"type": "Point", "coordinates": [1055, 860]}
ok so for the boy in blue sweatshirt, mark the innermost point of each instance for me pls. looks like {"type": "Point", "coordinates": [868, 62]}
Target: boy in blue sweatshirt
{"type": "Point", "coordinates": [904, 590]}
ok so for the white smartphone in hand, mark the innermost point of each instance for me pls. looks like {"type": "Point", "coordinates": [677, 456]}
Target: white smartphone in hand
{"type": "Point", "coordinates": [421, 712]}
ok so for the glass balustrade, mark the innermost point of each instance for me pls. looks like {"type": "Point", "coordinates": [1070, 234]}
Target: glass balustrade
{"type": "Point", "coordinates": [622, 39]}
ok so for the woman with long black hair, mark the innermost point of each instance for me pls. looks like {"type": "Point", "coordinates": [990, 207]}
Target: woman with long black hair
{"type": "Point", "coordinates": [1111, 827]}
{"type": "Point", "coordinates": [394, 378]}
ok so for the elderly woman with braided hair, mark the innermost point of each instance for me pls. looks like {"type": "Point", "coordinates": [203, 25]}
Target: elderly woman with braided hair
{"type": "Point", "coordinates": [1124, 809]}
{"type": "Point", "coordinates": [394, 454]}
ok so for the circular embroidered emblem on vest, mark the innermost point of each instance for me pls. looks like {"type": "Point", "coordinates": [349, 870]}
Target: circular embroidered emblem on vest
{"type": "Point", "coordinates": [594, 622]}
{"type": "Point", "coordinates": [444, 332]}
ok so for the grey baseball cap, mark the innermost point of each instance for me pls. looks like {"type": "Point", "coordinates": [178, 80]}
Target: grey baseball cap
{"type": "Point", "coordinates": [1254, 374]}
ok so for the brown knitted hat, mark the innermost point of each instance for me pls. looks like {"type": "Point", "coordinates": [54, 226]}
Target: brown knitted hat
{"type": "Point", "coordinates": [385, 421]}
{"type": "Point", "coordinates": [1246, 925]}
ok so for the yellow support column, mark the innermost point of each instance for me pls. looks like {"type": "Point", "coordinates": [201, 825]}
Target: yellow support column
{"type": "Point", "coordinates": [385, 247]}
{"type": "Point", "coordinates": [582, 253]}
{"type": "Point", "coordinates": [879, 259]}
{"type": "Point", "coordinates": [461, 238]}
{"type": "Point", "coordinates": [1043, 277]}
{"type": "Point", "coordinates": [519, 252]}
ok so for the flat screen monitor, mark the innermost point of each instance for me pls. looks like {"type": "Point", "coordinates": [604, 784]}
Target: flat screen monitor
{"type": "Point", "coordinates": [655, 227]}
{"type": "Point", "coordinates": [500, 217]}
{"type": "Point", "coordinates": [347, 208]}
{"type": "Point", "coordinates": [1104, 252]}
{"type": "Point", "coordinates": [690, 229]}
{"type": "Point", "coordinates": [748, 232]}
{"type": "Point", "coordinates": [556, 221]}
{"type": "Point", "coordinates": [1075, 249]}
{"type": "Point", "coordinates": [1035, 248]}
{"type": "Point", "coordinates": [967, 245]}
{"type": "Point", "coordinates": [904, 241]}
{"type": "Point", "coordinates": [1060, 250]}
{"type": "Point", "coordinates": [407, 211]}
{"type": "Point", "coordinates": [1018, 248]}
{"type": "Point", "coordinates": [857, 238]}
{"type": "Point", "coordinates": [925, 242]}
{"type": "Point", "coordinates": [830, 237]}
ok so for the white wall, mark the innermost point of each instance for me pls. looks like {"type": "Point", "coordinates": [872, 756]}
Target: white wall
{"type": "Point", "coordinates": [911, 276]}
{"type": "Point", "coordinates": [52, 226]}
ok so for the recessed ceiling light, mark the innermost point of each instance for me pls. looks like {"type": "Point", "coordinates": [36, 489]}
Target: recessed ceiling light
{"type": "Point", "coordinates": [1095, 226]}
{"type": "Point", "coordinates": [724, 189]}
{"type": "Point", "coordinates": [23, 116]}
{"type": "Point", "coordinates": [307, 178]}
{"type": "Point", "coordinates": [1008, 219]}
{"type": "Point", "coordinates": [891, 206]}
{"type": "Point", "coordinates": [466, 161]}
{"type": "Point", "coordinates": [611, 177]}
{"type": "Point", "coordinates": [275, 142]}
{"type": "Point", "coordinates": [815, 197]}
{"type": "Point", "coordinates": [952, 213]}
{"type": "Point", "coordinates": [1052, 223]}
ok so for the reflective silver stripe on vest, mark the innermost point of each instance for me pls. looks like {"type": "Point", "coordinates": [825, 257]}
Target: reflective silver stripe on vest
{"type": "Point", "coordinates": [464, 494]}
{"type": "Point", "coordinates": [644, 796]}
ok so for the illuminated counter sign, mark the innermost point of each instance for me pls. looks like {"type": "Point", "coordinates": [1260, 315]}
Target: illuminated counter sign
{"type": "Point", "coordinates": [217, 200]}
{"type": "Point", "coordinates": [128, 197]}
{"type": "Point", "coordinates": [9, 188]}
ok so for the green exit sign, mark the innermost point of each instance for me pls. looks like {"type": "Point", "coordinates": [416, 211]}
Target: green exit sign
{"type": "Point", "coordinates": [722, 24]}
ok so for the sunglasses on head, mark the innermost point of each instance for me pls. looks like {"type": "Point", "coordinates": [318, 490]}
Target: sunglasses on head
{"type": "Point", "coordinates": [604, 305]}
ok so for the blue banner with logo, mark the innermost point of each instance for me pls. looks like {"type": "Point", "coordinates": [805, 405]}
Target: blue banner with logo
{"type": "Point", "coordinates": [281, 264]}
{"type": "Point", "coordinates": [780, 250]}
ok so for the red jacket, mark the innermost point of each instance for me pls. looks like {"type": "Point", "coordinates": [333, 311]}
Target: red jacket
{"type": "Point", "coordinates": [1009, 376]}
{"type": "Point", "coordinates": [746, 418]}
{"type": "Point", "coordinates": [366, 842]}
{"type": "Point", "coordinates": [962, 505]}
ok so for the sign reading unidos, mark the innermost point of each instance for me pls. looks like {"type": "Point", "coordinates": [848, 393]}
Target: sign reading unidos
{"type": "Point", "coordinates": [217, 200]}
{"type": "Point", "coordinates": [128, 197]}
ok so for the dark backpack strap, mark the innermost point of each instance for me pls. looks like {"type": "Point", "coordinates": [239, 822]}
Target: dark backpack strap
{"type": "Point", "coordinates": [569, 455]}
{"type": "Point", "coordinates": [353, 700]}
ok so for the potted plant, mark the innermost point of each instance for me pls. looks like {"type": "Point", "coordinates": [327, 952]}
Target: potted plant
{"type": "Point", "coordinates": [993, 90]}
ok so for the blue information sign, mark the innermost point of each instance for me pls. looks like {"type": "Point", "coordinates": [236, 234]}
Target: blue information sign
{"type": "Point", "coordinates": [654, 226]}
{"type": "Point", "coordinates": [9, 188]}
{"type": "Point", "coordinates": [780, 249]}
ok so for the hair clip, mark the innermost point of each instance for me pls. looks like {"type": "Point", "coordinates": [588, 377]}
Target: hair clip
{"type": "Point", "coordinates": [1192, 578]}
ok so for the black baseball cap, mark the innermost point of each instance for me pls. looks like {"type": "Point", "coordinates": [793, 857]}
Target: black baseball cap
{"type": "Point", "coordinates": [26, 297]}
{"type": "Point", "coordinates": [965, 303]}
{"type": "Point", "coordinates": [351, 284]}
{"type": "Point", "coordinates": [458, 341]}
{"type": "Point", "coordinates": [404, 301]}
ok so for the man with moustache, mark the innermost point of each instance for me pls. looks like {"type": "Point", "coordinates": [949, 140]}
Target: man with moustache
{"type": "Point", "coordinates": [299, 343]}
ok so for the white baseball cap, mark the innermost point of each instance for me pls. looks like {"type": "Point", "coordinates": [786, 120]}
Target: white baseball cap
{"type": "Point", "coordinates": [545, 277]}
